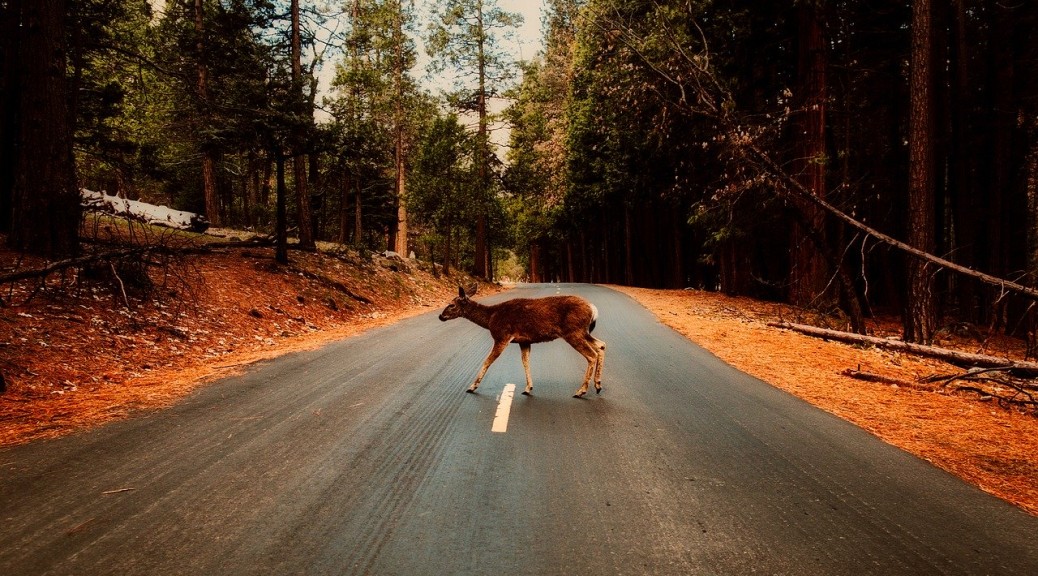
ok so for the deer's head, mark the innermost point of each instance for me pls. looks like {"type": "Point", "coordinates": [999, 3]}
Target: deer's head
{"type": "Point", "coordinates": [456, 308]}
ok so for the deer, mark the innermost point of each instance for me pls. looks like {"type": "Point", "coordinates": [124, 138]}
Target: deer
{"type": "Point", "coordinates": [528, 321]}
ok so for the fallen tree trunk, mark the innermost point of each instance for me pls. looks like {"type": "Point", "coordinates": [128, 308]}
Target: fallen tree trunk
{"type": "Point", "coordinates": [951, 356]}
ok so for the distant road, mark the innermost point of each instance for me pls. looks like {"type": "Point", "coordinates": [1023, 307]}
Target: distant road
{"type": "Point", "coordinates": [367, 457]}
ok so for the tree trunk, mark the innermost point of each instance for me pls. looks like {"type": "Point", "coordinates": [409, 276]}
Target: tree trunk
{"type": "Point", "coordinates": [920, 317]}
{"type": "Point", "coordinates": [212, 202]}
{"type": "Point", "coordinates": [358, 221]}
{"type": "Point", "coordinates": [1003, 172]}
{"type": "Point", "coordinates": [264, 191]}
{"type": "Point", "coordinates": [677, 265]}
{"type": "Point", "coordinates": [570, 276]}
{"type": "Point", "coordinates": [585, 270]}
{"type": "Point", "coordinates": [344, 211]}
{"type": "Point", "coordinates": [316, 199]}
{"type": "Point", "coordinates": [447, 247]}
{"type": "Point", "coordinates": [281, 221]}
{"type": "Point", "coordinates": [733, 268]}
{"type": "Point", "coordinates": [400, 245]}
{"type": "Point", "coordinates": [1030, 124]}
{"type": "Point", "coordinates": [306, 233]}
{"type": "Point", "coordinates": [10, 90]}
{"type": "Point", "coordinates": [400, 241]}
{"type": "Point", "coordinates": [628, 248]}
{"type": "Point", "coordinates": [535, 261]}
{"type": "Point", "coordinates": [963, 187]}
{"type": "Point", "coordinates": [808, 274]}
{"type": "Point", "coordinates": [483, 154]}
{"type": "Point", "coordinates": [45, 206]}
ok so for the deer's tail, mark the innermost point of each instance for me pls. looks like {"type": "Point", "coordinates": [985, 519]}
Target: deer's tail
{"type": "Point", "coordinates": [594, 318]}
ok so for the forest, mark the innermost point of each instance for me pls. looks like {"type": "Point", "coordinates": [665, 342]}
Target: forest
{"type": "Point", "coordinates": [857, 158]}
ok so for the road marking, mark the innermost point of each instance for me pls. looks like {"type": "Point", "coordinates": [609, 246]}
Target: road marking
{"type": "Point", "coordinates": [503, 408]}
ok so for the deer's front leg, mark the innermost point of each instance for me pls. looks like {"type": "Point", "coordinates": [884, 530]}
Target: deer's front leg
{"type": "Point", "coordinates": [499, 347]}
{"type": "Point", "coordinates": [525, 349]}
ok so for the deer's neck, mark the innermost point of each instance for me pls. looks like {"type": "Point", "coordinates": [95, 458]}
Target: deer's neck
{"type": "Point", "coordinates": [479, 314]}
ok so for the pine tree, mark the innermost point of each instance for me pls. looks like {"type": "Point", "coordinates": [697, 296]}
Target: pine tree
{"type": "Point", "coordinates": [466, 36]}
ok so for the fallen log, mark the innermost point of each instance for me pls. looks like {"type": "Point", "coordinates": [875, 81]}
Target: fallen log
{"type": "Point", "coordinates": [951, 356]}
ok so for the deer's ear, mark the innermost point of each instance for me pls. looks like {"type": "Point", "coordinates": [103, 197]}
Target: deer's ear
{"type": "Point", "coordinates": [461, 291]}
{"type": "Point", "coordinates": [472, 290]}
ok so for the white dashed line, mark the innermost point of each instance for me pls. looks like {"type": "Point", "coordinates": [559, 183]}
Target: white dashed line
{"type": "Point", "coordinates": [503, 408]}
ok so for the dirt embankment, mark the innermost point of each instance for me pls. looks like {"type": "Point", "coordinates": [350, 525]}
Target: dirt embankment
{"type": "Point", "coordinates": [78, 354]}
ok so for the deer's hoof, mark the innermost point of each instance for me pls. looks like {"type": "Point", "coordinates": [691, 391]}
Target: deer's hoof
{"type": "Point", "coordinates": [470, 390]}
{"type": "Point", "coordinates": [579, 394]}
{"type": "Point", "coordinates": [526, 392]}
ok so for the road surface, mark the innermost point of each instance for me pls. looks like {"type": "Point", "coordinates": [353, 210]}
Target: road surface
{"type": "Point", "coordinates": [367, 457]}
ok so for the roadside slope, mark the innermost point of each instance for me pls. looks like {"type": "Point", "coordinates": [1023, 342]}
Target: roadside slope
{"type": "Point", "coordinates": [77, 356]}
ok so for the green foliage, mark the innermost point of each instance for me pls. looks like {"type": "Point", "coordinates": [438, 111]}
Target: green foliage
{"type": "Point", "coordinates": [442, 180]}
{"type": "Point", "coordinates": [119, 104]}
{"type": "Point", "coordinates": [466, 38]}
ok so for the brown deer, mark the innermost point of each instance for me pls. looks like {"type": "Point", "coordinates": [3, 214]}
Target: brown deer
{"type": "Point", "coordinates": [527, 321]}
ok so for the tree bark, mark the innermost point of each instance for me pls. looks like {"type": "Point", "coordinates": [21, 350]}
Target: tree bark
{"type": "Point", "coordinates": [358, 213]}
{"type": "Point", "coordinates": [808, 274]}
{"type": "Point", "coordinates": [535, 261]}
{"type": "Point", "coordinates": [1030, 124]}
{"type": "Point", "coordinates": [962, 164]}
{"type": "Point", "coordinates": [10, 89]}
{"type": "Point", "coordinates": [447, 253]}
{"type": "Point", "coordinates": [45, 205]}
{"type": "Point", "coordinates": [299, 165]}
{"type": "Point", "coordinates": [920, 317]}
{"type": "Point", "coordinates": [281, 224]}
{"type": "Point", "coordinates": [628, 247]}
{"type": "Point", "coordinates": [344, 211]}
{"type": "Point", "coordinates": [481, 269]}
{"type": "Point", "coordinates": [212, 203]}
{"type": "Point", "coordinates": [400, 240]}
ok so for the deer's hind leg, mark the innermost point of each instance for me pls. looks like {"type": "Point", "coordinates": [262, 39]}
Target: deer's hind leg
{"type": "Point", "coordinates": [499, 347]}
{"type": "Point", "coordinates": [591, 354]}
{"type": "Point", "coordinates": [525, 349]}
{"type": "Point", "coordinates": [600, 349]}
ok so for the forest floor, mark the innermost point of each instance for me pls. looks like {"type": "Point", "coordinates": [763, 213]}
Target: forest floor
{"type": "Point", "coordinates": [75, 355]}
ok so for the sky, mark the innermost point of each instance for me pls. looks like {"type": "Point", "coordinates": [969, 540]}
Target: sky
{"type": "Point", "coordinates": [528, 40]}
{"type": "Point", "coordinates": [526, 44]}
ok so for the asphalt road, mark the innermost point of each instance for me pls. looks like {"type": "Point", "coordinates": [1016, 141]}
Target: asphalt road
{"type": "Point", "coordinates": [367, 457]}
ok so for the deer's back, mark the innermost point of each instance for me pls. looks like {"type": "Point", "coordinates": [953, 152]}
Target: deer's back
{"type": "Point", "coordinates": [531, 320]}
